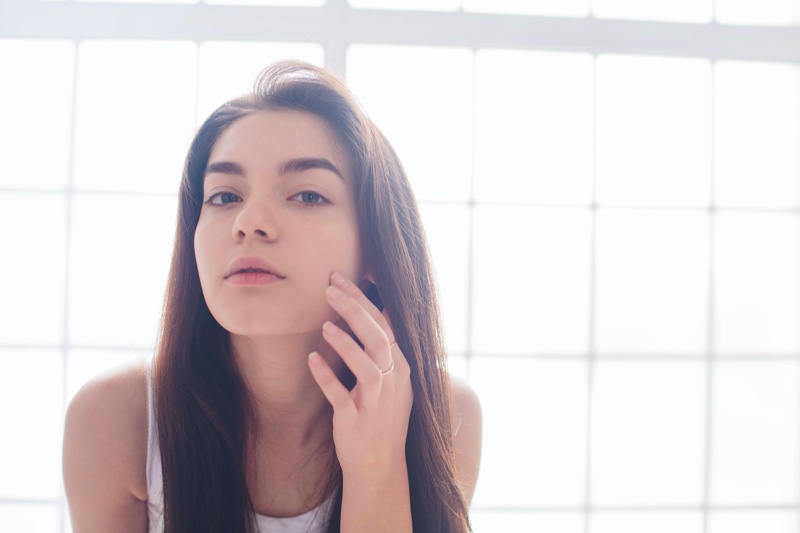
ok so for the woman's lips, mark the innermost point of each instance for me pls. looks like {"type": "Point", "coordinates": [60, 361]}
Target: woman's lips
{"type": "Point", "coordinates": [252, 264]}
{"type": "Point", "coordinates": [253, 278]}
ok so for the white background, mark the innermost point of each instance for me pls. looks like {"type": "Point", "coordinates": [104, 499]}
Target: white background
{"type": "Point", "coordinates": [611, 192]}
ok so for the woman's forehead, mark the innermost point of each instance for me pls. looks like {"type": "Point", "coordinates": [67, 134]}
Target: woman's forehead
{"type": "Point", "coordinates": [276, 137]}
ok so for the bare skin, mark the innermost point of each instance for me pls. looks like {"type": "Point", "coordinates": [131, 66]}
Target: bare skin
{"type": "Point", "coordinates": [278, 188]}
{"type": "Point", "coordinates": [105, 452]}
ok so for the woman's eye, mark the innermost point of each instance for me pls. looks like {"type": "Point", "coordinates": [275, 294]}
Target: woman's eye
{"type": "Point", "coordinates": [223, 197]}
{"type": "Point", "coordinates": [310, 198]}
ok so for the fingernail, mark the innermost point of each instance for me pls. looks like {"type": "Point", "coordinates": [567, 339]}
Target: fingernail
{"type": "Point", "coordinates": [335, 293]}
{"type": "Point", "coordinates": [315, 359]}
{"type": "Point", "coordinates": [330, 329]}
{"type": "Point", "coordinates": [339, 280]}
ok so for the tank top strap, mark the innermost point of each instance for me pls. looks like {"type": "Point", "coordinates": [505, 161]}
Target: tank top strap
{"type": "Point", "coordinates": [155, 482]}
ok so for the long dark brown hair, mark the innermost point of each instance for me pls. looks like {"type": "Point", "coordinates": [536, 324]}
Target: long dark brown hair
{"type": "Point", "coordinates": [204, 411]}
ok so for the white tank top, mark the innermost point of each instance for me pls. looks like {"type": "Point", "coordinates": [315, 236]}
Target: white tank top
{"type": "Point", "coordinates": [314, 521]}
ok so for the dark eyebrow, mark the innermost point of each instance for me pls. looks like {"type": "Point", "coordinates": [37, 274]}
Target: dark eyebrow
{"type": "Point", "coordinates": [293, 165]}
{"type": "Point", "coordinates": [307, 163]}
{"type": "Point", "coordinates": [225, 167]}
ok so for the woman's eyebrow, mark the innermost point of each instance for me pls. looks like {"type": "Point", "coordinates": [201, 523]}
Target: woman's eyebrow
{"type": "Point", "coordinates": [224, 167]}
{"type": "Point", "coordinates": [292, 165]}
{"type": "Point", "coordinates": [306, 163]}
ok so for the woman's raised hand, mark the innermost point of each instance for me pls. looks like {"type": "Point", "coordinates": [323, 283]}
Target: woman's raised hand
{"type": "Point", "coordinates": [370, 422]}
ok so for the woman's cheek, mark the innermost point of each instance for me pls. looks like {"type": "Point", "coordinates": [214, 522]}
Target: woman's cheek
{"type": "Point", "coordinates": [204, 257]}
{"type": "Point", "coordinates": [202, 265]}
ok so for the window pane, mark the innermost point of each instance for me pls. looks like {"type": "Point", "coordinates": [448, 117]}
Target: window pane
{"type": "Point", "coordinates": [533, 127]}
{"type": "Point", "coordinates": [746, 521]}
{"type": "Point", "coordinates": [755, 444]}
{"type": "Point", "coordinates": [536, 456]}
{"type": "Point", "coordinates": [562, 8]}
{"type": "Point", "coordinates": [410, 5]}
{"type": "Point", "coordinates": [145, 1]}
{"type": "Point", "coordinates": [229, 69]}
{"type": "Point", "coordinates": [765, 12]}
{"type": "Point", "coordinates": [30, 517]}
{"type": "Point", "coordinates": [120, 253]}
{"type": "Point", "coordinates": [37, 75]}
{"type": "Point", "coordinates": [667, 10]}
{"type": "Point", "coordinates": [31, 415]}
{"type": "Point", "coordinates": [531, 280]}
{"type": "Point", "coordinates": [648, 423]}
{"type": "Point", "coordinates": [489, 521]}
{"type": "Point", "coordinates": [421, 98]}
{"type": "Point", "coordinates": [756, 266]}
{"type": "Point", "coordinates": [135, 114]}
{"type": "Point", "coordinates": [32, 285]}
{"type": "Point", "coordinates": [83, 365]}
{"type": "Point", "coordinates": [292, 3]}
{"type": "Point", "coordinates": [458, 366]}
{"type": "Point", "coordinates": [653, 130]}
{"type": "Point", "coordinates": [447, 229]}
{"type": "Point", "coordinates": [652, 282]}
{"type": "Point", "coordinates": [757, 134]}
{"type": "Point", "coordinates": [651, 522]}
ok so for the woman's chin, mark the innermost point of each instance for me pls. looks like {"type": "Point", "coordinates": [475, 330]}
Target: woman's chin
{"type": "Point", "coordinates": [269, 327]}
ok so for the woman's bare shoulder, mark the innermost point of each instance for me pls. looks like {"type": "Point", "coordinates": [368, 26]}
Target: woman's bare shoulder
{"type": "Point", "coordinates": [105, 452]}
{"type": "Point", "coordinates": [468, 417]}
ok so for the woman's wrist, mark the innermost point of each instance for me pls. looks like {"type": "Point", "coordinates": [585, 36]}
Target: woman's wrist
{"type": "Point", "coordinates": [376, 500]}
{"type": "Point", "coordinates": [377, 468]}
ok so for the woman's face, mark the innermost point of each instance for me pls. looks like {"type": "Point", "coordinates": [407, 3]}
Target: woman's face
{"type": "Point", "coordinates": [277, 188]}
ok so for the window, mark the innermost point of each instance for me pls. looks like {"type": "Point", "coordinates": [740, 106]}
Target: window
{"type": "Point", "coordinates": [611, 190]}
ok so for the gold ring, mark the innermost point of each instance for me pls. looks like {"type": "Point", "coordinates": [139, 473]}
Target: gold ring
{"type": "Point", "coordinates": [391, 367]}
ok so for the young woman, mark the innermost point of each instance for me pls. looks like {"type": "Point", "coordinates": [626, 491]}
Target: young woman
{"type": "Point", "coordinates": [300, 381]}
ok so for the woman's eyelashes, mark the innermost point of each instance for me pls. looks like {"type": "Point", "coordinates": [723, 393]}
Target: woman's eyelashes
{"type": "Point", "coordinates": [310, 198]}
{"type": "Point", "coordinates": [211, 199]}
{"type": "Point", "coordinates": [306, 198]}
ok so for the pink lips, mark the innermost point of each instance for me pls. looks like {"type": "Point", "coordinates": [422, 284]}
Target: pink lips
{"type": "Point", "coordinates": [253, 278]}
{"type": "Point", "coordinates": [252, 271]}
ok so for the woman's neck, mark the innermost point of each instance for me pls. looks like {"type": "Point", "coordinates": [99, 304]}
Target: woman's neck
{"type": "Point", "coordinates": [291, 411]}
{"type": "Point", "coordinates": [291, 452]}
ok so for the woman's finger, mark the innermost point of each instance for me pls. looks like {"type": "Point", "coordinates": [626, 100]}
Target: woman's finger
{"type": "Point", "coordinates": [336, 393]}
{"type": "Point", "coordinates": [363, 367]}
{"type": "Point", "coordinates": [352, 290]}
{"type": "Point", "coordinates": [372, 336]}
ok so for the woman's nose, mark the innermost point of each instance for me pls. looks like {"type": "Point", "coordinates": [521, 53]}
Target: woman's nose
{"type": "Point", "coordinates": [255, 220]}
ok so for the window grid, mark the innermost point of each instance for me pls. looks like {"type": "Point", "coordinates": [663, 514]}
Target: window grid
{"type": "Point", "coordinates": [63, 513]}
{"type": "Point", "coordinates": [710, 333]}
{"type": "Point", "coordinates": [592, 298]}
{"type": "Point", "coordinates": [335, 58]}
